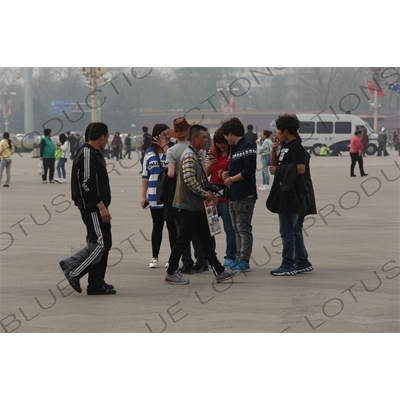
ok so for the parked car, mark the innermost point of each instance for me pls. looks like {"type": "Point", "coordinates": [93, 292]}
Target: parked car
{"type": "Point", "coordinates": [27, 142]}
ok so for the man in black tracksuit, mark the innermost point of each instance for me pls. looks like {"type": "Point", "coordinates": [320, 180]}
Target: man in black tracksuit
{"type": "Point", "coordinates": [92, 195]}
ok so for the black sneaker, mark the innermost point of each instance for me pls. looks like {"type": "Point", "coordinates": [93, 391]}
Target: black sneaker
{"type": "Point", "coordinates": [101, 291]}
{"type": "Point", "coordinates": [107, 286]}
{"type": "Point", "coordinates": [74, 282]}
{"type": "Point", "coordinates": [187, 269]}
{"type": "Point", "coordinates": [201, 268]}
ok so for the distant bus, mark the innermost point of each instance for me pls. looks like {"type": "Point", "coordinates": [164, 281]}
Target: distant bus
{"type": "Point", "coordinates": [333, 130]}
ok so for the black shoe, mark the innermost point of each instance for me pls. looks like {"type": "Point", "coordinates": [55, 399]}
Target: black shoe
{"type": "Point", "coordinates": [353, 175]}
{"type": "Point", "coordinates": [364, 175]}
{"type": "Point", "coordinates": [201, 268]}
{"type": "Point", "coordinates": [187, 269]}
{"type": "Point", "coordinates": [107, 286]}
{"type": "Point", "coordinates": [74, 282]}
{"type": "Point", "coordinates": [101, 291]}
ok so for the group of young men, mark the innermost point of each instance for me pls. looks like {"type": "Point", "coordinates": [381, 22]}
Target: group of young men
{"type": "Point", "coordinates": [289, 193]}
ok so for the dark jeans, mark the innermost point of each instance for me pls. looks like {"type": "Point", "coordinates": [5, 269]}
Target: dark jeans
{"type": "Point", "coordinates": [191, 222]}
{"type": "Point", "coordinates": [289, 231]}
{"type": "Point", "coordinates": [48, 165]}
{"type": "Point", "coordinates": [301, 251]}
{"type": "Point", "coordinates": [241, 215]}
{"type": "Point", "coordinates": [157, 215]}
{"type": "Point", "coordinates": [355, 157]}
{"type": "Point", "coordinates": [128, 153]}
{"type": "Point", "coordinates": [92, 259]}
{"type": "Point", "coordinates": [223, 212]}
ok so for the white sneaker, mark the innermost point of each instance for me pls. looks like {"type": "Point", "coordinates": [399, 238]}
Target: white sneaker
{"type": "Point", "coordinates": [63, 181]}
{"type": "Point", "coordinates": [263, 187]}
{"type": "Point", "coordinates": [153, 263]}
{"type": "Point", "coordinates": [58, 180]}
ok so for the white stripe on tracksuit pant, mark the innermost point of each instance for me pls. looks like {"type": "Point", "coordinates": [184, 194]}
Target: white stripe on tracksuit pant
{"type": "Point", "coordinates": [93, 257]}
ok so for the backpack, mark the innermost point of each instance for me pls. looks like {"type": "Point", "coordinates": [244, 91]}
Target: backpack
{"type": "Point", "coordinates": [162, 182]}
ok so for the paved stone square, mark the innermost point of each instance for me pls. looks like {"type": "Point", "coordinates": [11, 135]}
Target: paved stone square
{"type": "Point", "coordinates": [353, 244]}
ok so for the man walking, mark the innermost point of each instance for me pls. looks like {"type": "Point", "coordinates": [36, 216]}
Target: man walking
{"type": "Point", "coordinates": [128, 149]}
{"type": "Point", "coordinates": [241, 180]}
{"type": "Point", "coordinates": [189, 199]}
{"type": "Point", "coordinates": [92, 195]}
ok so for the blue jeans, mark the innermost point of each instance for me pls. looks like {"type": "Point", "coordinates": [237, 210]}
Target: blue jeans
{"type": "Point", "coordinates": [61, 168]}
{"type": "Point", "coordinates": [6, 164]}
{"type": "Point", "coordinates": [241, 215]}
{"type": "Point", "coordinates": [289, 234]}
{"type": "Point", "coordinates": [265, 173]}
{"type": "Point", "coordinates": [301, 251]}
{"type": "Point", "coordinates": [223, 212]}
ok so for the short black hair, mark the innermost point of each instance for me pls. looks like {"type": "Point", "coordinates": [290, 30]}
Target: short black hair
{"type": "Point", "coordinates": [195, 131]}
{"type": "Point", "coordinates": [358, 132]}
{"type": "Point", "coordinates": [288, 122]}
{"type": "Point", "coordinates": [234, 126]}
{"type": "Point", "coordinates": [145, 129]}
{"type": "Point", "coordinates": [97, 130]}
{"type": "Point", "coordinates": [47, 132]}
{"type": "Point", "coordinates": [249, 127]}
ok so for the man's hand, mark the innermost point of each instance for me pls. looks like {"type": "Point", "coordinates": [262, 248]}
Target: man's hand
{"type": "Point", "coordinates": [105, 215]}
{"type": "Point", "coordinates": [272, 170]}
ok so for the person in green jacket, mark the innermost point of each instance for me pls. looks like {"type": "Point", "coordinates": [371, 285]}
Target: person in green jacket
{"type": "Point", "coordinates": [324, 150]}
{"type": "Point", "coordinates": [309, 207]}
{"type": "Point", "coordinates": [47, 155]}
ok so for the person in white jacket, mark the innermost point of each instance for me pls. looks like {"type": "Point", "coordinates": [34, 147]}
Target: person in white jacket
{"type": "Point", "coordinates": [65, 146]}
{"type": "Point", "coordinates": [264, 150]}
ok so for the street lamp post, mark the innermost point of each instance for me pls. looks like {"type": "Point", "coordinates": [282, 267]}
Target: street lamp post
{"type": "Point", "coordinates": [94, 78]}
{"type": "Point", "coordinates": [375, 71]}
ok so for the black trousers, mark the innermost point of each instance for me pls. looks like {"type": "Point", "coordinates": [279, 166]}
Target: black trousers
{"type": "Point", "coordinates": [157, 215]}
{"type": "Point", "coordinates": [48, 165]}
{"type": "Point", "coordinates": [191, 222]}
{"type": "Point", "coordinates": [93, 258]}
{"type": "Point", "coordinates": [354, 159]}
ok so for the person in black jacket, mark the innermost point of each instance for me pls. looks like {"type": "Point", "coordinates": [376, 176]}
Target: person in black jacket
{"type": "Point", "coordinates": [241, 180]}
{"type": "Point", "coordinates": [91, 193]}
{"type": "Point", "coordinates": [292, 152]}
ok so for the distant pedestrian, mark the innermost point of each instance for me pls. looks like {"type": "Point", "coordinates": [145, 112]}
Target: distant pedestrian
{"type": "Point", "coordinates": [146, 143]}
{"type": "Point", "coordinates": [47, 155]}
{"type": "Point", "coordinates": [251, 136]}
{"type": "Point", "coordinates": [65, 146]}
{"type": "Point", "coordinates": [7, 149]}
{"type": "Point", "coordinates": [264, 149]}
{"type": "Point", "coordinates": [116, 146]}
{"type": "Point", "coordinates": [364, 141]}
{"type": "Point", "coordinates": [128, 148]}
{"type": "Point", "coordinates": [356, 154]}
{"type": "Point", "coordinates": [382, 139]}
{"type": "Point", "coordinates": [91, 193]}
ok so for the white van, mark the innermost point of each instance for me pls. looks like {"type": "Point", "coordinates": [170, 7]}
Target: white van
{"type": "Point", "coordinates": [333, 130]}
